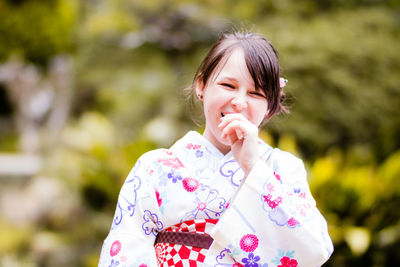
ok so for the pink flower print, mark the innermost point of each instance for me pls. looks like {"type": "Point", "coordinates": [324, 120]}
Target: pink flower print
{"type": "Point", "coordinates": [303, 212]}
{"type": "Point", "coordinates": [288, 262]}
{"type": "Point", "coordinates": [277, 176]}
{"type": "Point", "coordinates": [159, 199]}
{"type": "Point", "coordinates": [190, 184]}
{"type": "Point", "coordinates": [123, 259]}
{"type": "Point", "coordinates": [194, 147]}
{"type": "Point", "coordinates": [208, 204]}
{"type": "Point", "coordinates": [149, 171]}
{"type": "Point", "coordinates": [292, 222]}
{"type": "Point", "coordinates": [189, 146]}
{"type": "Point", "coordinates": [171, 162]}
{"type": "Point", "coordinates": [249, 243]}
{"type": "Point", "coordinates": [272, 203]}
{"type": "Point", "coordinates": [270, 187]}
{"type": "Point", "coordinates": [201, 206]}
{"type": "Point", "coordinates": [143, 265]}
{"type": "Point", "coordinates": [115, 248]}
{"type": "Point", "coordinates": [237, 264]}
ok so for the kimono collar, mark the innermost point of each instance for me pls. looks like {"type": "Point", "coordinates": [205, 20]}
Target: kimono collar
{"type": "Point", "coordinates": [194, 140]}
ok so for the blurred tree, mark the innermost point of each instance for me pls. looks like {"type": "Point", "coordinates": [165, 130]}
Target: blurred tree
{"type": "Point", "coordinates": [342, 69]}
{"type": "Point", "coordinates": [37, 29]}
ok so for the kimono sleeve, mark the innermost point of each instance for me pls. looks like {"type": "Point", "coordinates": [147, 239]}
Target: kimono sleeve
{"type": "Point", "coordinates": [273, 219]}
{"type": "Point", "coordinates": [136, 222]}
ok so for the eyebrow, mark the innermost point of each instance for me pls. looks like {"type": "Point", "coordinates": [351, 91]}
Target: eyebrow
{"type": "Point", "coordinates": [232, 79]}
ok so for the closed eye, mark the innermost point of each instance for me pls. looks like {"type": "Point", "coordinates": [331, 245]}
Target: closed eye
{"type": "Point", "coordinates": [256, 93]}
{"type": "Point", "coordinates": [227, 85]}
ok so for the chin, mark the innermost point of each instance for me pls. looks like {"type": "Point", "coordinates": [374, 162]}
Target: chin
{"type": "Point", "coordinates": [221, 143]}
{"type": "Point", "coordinates": [224, 143]}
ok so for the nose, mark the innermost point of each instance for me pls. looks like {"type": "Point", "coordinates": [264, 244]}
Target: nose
{"type": "Point", "coordinates": [239, 102]}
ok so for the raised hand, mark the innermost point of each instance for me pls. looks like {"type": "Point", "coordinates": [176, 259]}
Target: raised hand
{"type": "Point", "coordinates": [242, 136]}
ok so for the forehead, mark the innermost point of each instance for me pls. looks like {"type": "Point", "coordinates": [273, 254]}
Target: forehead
{"type": "Point", "coordinates": [233, 66]}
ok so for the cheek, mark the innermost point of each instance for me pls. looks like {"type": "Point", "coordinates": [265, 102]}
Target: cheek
{"type": "Point", "coordinates": [260, 113]}
{"type": "Point", "coordinates": [209, 113]}
{"type": "Point", "coordinates": [211, 106]}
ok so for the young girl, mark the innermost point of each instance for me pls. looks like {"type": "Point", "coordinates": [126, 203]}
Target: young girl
{"type": "Point", "coordinates": [223, 198]}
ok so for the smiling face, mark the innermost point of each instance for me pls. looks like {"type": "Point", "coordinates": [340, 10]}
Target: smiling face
{"type": "Point", "coordinates": [230, 89]}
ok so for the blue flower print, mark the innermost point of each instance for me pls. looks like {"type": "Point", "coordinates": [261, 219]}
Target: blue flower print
{"type": "Point", "coordinates": [113, 263]}
{"type": "Point", "coordinates": [174, 176]}
{"type": "Point", "coordinates": [208, 204]}
{"type": "Point", "coordinates": [199, 153]}
{"type": "Point", "coordinates": [251, 261]}
{"type": "Point", "coordinates": [151, 225]}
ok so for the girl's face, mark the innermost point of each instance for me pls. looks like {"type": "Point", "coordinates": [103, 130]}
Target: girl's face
{"type": "Point", "coordinates": [230, 89]}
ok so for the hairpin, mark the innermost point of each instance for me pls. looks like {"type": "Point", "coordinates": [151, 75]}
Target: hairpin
{"type": "Point", "coordinates": [282, 82]}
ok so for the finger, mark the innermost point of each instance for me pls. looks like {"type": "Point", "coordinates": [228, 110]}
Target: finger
{"type": "Point", "coordinates": [229, 118]}
{"type": "Point", "coordinates": [238, 123]}
{"type": "Point", "coordinates": [241, 130]}
{"type": "Point", "coordinates": [239, 134]}
{"type": "Point", "coordinates": [236, 129]}
{"type": "Point", "coordinates": [229, 137]}
{"type": "Point", "coordinates": [233, 138]}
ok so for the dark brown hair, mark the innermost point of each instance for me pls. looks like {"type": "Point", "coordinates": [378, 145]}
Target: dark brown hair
{"type": "Point", "coordinates": [261, 60]}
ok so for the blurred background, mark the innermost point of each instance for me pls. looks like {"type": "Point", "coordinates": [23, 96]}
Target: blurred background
{"type": "Point", "coordinates": [86, 87]}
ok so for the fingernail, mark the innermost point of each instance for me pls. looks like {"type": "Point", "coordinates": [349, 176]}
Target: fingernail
{"type": "Point", "coordinates": [239, 134]}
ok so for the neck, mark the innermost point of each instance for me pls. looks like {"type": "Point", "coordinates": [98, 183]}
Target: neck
{"type": "Point", "coordinates": [224, 149]}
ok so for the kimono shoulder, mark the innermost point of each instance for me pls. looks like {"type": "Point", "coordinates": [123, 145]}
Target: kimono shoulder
{"type": "Point", "coordinates": [286, 166]}
{"type": "Point", "coordinates": [162, 156]}
{"type": "Point", "coordinates": [153, 155]}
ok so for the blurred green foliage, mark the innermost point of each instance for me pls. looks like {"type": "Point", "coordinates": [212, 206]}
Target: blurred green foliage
{"type": "Point", "coordinates": [360, 202]}
{"type": "Point", "coordinates": [37, 29]}
{"type": "Point", "coordinates": [133, 60]}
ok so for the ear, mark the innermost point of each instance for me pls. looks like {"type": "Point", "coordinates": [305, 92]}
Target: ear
{"type": "Point", "coordinates": [199, 87]}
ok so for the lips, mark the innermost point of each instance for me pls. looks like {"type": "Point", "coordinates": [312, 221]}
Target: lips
{"type": "Point", "coordinates": [223, 114]}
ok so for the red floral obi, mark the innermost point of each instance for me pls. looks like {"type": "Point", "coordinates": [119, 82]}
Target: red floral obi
{"type": "Point", "coordinates": [184, 244]}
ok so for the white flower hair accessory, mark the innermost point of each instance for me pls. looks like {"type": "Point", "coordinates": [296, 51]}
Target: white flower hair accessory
{"type": "Point", "coordinates": [282, 82]}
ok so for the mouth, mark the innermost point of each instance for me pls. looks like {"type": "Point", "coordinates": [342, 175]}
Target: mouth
{"type": "Point", "coordinates": [223, 114]}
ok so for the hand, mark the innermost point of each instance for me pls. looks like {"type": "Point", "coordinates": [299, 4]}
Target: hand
{"type": "Point", "coordinates": [242, 136]}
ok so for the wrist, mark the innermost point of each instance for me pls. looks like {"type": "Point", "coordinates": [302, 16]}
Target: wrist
{"type": "Point", "coordinates": [248, 167]}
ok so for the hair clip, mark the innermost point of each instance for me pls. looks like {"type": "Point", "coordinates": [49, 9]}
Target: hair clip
{"type": "Point", "coordinates": [282, 82]}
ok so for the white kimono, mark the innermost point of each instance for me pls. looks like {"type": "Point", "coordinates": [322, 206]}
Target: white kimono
{"type": "Point", "coordinates": [268, 220]}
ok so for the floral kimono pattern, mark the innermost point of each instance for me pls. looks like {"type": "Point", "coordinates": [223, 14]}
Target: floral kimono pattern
{"type": "Point", "coordinates": [268, 218]}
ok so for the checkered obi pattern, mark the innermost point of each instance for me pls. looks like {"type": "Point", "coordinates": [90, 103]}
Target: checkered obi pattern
{"type": "Point", "coordinates": [179, 255]}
